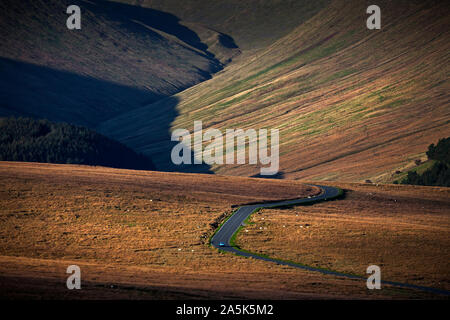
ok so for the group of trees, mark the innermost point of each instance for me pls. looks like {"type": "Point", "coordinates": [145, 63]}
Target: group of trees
{"type": "Point", "coordinates": [439, 173]}
{"type": "Point", "coordinates": [23, 139]}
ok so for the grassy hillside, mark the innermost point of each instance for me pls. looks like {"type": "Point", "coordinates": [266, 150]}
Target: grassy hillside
{"type": "Point", "coordinates": [43, 141]}
{"type": "Point", "coordinates": [350, 103]}
{"type": "Point", "coordinates": [123, 57]}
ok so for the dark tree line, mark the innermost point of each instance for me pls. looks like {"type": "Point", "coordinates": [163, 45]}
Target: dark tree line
{"type": "Point", "coordinates": [441, 151]}
{"type": "Point", "coordinates": [30, 140]}
{"type": "Point", "coordinates": [439, 173]}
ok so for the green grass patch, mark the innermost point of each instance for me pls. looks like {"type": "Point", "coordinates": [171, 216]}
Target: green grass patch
{"type": "Point", "coordinates": [338, 75]}
{"type": "Point", "coordinates": [420, 169]}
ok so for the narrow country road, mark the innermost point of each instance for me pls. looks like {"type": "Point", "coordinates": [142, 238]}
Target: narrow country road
{"type": "Point", "coordinates": [231, 226]}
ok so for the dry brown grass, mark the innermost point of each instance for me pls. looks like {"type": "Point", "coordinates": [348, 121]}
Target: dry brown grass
{"type": "Point", "coordinates": [404, 230]}
{"type": "Point", "coordinates": [76, 212]}
{"type": "Point", "coordinates": [144, 234]}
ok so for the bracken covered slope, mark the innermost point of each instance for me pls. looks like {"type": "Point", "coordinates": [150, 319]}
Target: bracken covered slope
{"type": "Point", "coordinates": [351, 103]}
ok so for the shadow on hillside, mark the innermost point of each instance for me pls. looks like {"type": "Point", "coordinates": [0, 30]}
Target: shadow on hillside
{"type": "Point", "coordinates": [227, 41]}
{"type": "Point", "coordinates": [132, 17]}
{"type": "Point", "coordinates": [148, 130]}
{"type": "Point", "coordinates": [41, 92]}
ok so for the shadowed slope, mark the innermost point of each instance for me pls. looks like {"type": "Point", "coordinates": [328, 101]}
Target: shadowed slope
{"type": "Point", "coordinates": [254, 24]}
{"type": "Point", "coordinates": [41, 92]}
{"type": "Point", "coordinates": [63, 96]}
{"type": "Point", "coordinates": [118, 43]}
{"type": "Point", "coordinates": [152, 132]}
{"type": "Point", "coordinates": [135, 18]}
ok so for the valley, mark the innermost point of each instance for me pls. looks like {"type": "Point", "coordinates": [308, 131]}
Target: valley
{"type": "Point", "coordinates": [347, 107]}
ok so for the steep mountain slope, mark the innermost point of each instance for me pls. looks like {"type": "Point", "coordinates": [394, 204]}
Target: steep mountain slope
{"type": "Point", "coordinates": [253, 24]}
{"type": "Point", "coordinates": [122, 58]}
{"type": "Point", "coordinates": [350, 103]}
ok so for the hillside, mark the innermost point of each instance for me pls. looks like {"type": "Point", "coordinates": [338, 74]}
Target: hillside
{"type": "Point", "coordinates": [123, 57]}
{"type": "Point", "coordinates": [253, 24]}
{"type": "Point", "coordinates": [43, 141]}
{"type": "Point", "coordinates": [351, 104]}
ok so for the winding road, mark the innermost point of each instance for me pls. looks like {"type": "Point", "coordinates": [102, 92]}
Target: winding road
{"type": "Point", "coordinates": [232, 225]}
